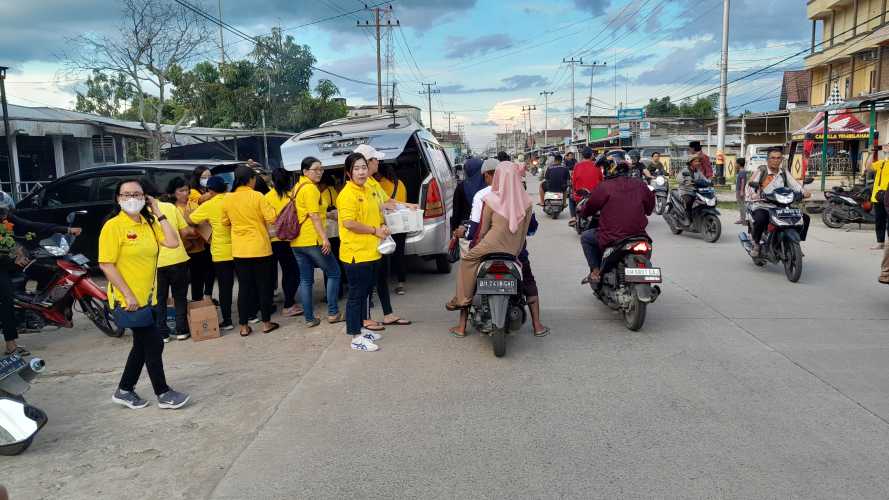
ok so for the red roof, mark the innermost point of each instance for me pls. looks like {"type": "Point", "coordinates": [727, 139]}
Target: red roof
{"type": "Point", "coordinates": [795, 88]}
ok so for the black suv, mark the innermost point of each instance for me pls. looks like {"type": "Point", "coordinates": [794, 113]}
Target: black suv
{"type": "Point", "coordinates": [91, 190]}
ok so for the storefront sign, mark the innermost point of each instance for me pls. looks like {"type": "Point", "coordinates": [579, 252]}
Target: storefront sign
{"type": "Point", "coordinates": [835, 137]}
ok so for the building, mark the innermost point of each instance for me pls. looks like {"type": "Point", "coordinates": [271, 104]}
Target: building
{"type": "Point", "coordinates": [555, 137]}
{"type": "Point", "coordinates": [412, 111]}
{"type": "Point", "coordinates": [513, 141]}
{"type": "Point", "coordinates": [795, 89]}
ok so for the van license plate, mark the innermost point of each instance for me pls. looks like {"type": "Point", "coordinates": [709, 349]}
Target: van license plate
{"type": "Point", "coordinates": [642, 275]}
{"type": "Point", "coordinates": [497, 287]}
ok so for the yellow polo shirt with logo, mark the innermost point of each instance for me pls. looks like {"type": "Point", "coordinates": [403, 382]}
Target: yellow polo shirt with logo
{"type": "Point", "coordinates": [357, 203]}
{"type": "Point", "coordinates": [133, 248]}
{"type": "Point", "coordinates": [309, 201]}
{"type": "Point", "coordinates": [881, 178]}
{"type": "Point", "coordinates": [221, 241]}
{"type": "Point", "coordinates": [249, 215]}
{"type": "Point", "coordinates": [194, 196]}
{"type": "Point", "coordinates": [389, 188]}
{"type": "Point", "coordinates": [178, 255]}
{"type": "Point", "coordinates": [379, 193]}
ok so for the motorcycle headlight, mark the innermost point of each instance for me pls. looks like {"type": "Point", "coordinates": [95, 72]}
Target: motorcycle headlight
{"type": "Point", "coordinates": [784, 199]}
{"type": "Point", "coordinates": [660, 181]}
{"type": "Point", "coordinates": [711, 202]}
{"type": "Point", "coordinates": [55, 251]}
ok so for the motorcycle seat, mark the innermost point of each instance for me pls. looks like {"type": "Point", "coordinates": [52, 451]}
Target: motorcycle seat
{"type": "Point", "coordinates": [629, 239]}
{"type": "Point", "coordinates": [499, 256]}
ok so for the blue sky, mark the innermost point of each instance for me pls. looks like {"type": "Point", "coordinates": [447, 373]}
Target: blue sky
{"type": "Point", "coordinates": [489, 58]}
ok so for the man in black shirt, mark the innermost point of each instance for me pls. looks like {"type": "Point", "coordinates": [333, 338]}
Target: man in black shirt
{"type": "Point", "coordinates": [556, 178]}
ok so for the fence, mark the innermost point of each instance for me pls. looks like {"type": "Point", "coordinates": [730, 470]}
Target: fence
{"type": "Point", "coordinates": [21, 189]}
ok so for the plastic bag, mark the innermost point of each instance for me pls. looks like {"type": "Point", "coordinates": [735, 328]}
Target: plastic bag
{"type": "Point", "coordinates": [387, 246]}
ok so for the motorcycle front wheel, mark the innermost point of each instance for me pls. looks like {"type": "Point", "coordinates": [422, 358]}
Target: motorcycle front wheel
{"type": "Point", "coordinates": [100, 314]}
{"type": "Point", "coordinates": [659, 205]}
{"type": "Point", "coordinates": [830, 219]}
{"type": "Point", "coordinates": [712, 228]}
{"type": "Point", "coordinates": [793, 261]}
{"type": "Point", "coordinates": [634, 316]}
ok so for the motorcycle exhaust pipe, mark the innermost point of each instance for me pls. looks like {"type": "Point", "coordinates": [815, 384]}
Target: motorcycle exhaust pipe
{"type": "Point", "coordinates": [37, 365]}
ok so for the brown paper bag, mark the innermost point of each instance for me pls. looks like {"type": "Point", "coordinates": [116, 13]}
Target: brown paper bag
{"type": "Point", "coordinates": [203, 321]}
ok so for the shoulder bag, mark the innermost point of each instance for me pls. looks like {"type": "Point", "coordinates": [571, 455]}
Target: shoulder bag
{"type": "Point", "coordinates": [287, 224]}
{"type": "Point", "coordinates": [143, 316]}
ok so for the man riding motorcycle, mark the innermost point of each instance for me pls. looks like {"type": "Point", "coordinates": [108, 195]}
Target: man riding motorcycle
{"type": "Point", "coordinates": [691, 177]}
{"type": "Point", "coordinates": [764, 181]}
{"type": "Point", "coordinates": [624, 205]}
{"type": "Point", "coordinates": [586, 176]}
{"type": "Point", "coordinates": [637, 168]}
{"type": "Point", "coordinates": [556, 178]}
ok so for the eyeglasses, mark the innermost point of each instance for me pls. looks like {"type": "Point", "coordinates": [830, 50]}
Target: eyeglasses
{"type": "Point", "coordinates": [315, 170]}
{"type": "Point", "coordinates": [134, 196]}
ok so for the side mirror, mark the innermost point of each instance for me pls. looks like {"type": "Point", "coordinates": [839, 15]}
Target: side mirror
{"type": "Point", "coordinates": [809, 180]}
{"type": "Point", "coordinates": [73, 215]}
{"type": "Point", "coordinates": [19, 423]}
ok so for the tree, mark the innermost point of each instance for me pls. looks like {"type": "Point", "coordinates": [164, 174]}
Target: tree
{"type": "Point", "coordinates": [701, 108]}
{"type": "Point", "coordinates": [284, 69]}
{"type": "Point", "coordinates": [661, 107]}
{"type": "Point", "coordinates": [311, 111]}
{"type": "Point", "coordinates": [154, 39]}
{"type": "Point", "coordinates": [105, 95]}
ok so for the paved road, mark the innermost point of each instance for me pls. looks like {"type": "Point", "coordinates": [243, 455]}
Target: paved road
{"type": "Point", "coordinates": [741, 385]}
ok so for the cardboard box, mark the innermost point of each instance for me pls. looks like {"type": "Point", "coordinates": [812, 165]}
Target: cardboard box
{"type": "Point", "coordinates": [203, 321]}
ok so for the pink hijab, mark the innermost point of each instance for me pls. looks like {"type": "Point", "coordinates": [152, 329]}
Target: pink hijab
{"type": "Point", "coordinates": [507, 197]}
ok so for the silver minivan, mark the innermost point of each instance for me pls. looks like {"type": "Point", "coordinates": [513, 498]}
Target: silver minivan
{"type": "Point", "coordinates": [419, 162]}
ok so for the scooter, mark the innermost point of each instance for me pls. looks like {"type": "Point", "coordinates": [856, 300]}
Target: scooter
{"type": "Point", "coordinates": [843, 206]}
{"type": "Point", "coordinates": [628, 281]}
{"type": "Point", "coordinates": [581, 224]}
{"type": "Point", "coordinates": [62, 279]}
{"type": "Point", "coordinates": [704, 218]}
{"type": "Point", "coordinates": [781, 241]}
{"type": "Point", "coordinates": [660, 186]}
{"type": "Point", "coordinates": [19, 421]}
{"type": "Point", "coordinates": [554, 204]}
{"type": "Point", "coordinates": [498, 307]}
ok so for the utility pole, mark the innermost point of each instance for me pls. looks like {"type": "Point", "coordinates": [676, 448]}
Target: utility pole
{"type": "Point", "coordinates": [449, 115]}
{"type": "Point", "coordinates": [221, 37]}
{"type": "Point", "coordinates": [723, 88]}
{"type": "Point", "coordinates": [528, 109]}
{"type": "Point", "coordinates": [589, 103]}
{"type": "Point", "coordinates": [11, 153]}
{"type": "Point", "coordinates": [428, 92]}
{"type": "Point", "coordinates": [572, 62]}
{"type": "Point", "coordinates": [546, 95]}
{"type": "Point", "coordinates": [377, 25]}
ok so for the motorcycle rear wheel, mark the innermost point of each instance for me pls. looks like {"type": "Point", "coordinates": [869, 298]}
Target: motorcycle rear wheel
{"type": "Point", "coordinates": [829, 219]}
{"type": "Point", "coordinates": [634, 317]}
{"type": "Point", "coordinates": [100, 314]}
{"type": "Point", "coordinates": [793, 262]}
{"type": "Point", "coordinates": [499, 341]}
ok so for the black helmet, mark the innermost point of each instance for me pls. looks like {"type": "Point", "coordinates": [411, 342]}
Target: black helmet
{"type": "Point", "coordinates": [616, 163]}
{"type": "Point", "coordinates": [634, 155]}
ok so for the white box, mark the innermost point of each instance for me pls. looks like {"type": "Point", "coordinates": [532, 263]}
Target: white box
{"type": "Point", "coordinates": [404, 220]}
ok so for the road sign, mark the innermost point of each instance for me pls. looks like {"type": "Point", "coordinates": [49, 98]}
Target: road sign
{"type": "Point", "coordinates": [630, 114]}
{"type": "Point", "coordinates": [646, 125]}
{"type": "Point", "coordinates": [625, 131]}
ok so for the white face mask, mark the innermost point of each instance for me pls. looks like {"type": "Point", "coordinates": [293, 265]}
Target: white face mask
{"type": "Point", "coordinates": [203, 181]}
{"type": "Point", "coordinates": [132, 206]}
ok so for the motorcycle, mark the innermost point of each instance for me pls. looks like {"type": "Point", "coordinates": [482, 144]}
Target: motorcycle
{"type": "Point", "coordinates": [19, 421]}
{"type": "Point", "coordinates": [498, 307]}
{"type": "Point", "coordinates": [61, 279]}
{"type": "Point", "coordinates": [660, 186]}
{"type": "Point", "coordinates": [781, 241]}
{"type": "Point", "coordinates": [581, 224]}
{"type": "Point", "coordinates": [704, 218]}
{"type": "Point", "coordinates": [844, 206]}
{"type": "Point", "coordinates": [628, 282]}
{"type": "Point", "coordinates": [554, 204]}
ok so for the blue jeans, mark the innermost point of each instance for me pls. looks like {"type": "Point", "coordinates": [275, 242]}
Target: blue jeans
{"type": "Point", "coordinates": [308, 258]}
{"type": "Point", "coordinates": [572, 206]}
{"type": "Point", "coordinates": [362, 278]}
{"type": "Point", "coordinates": [591, 249]}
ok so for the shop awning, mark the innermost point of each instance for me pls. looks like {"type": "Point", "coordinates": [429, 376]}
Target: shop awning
{"type": "Point", "coordinates": [841, 126]}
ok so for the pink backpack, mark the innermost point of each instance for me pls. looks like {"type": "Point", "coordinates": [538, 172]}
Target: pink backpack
{"type": "Point", "coordinates": [287, 224]}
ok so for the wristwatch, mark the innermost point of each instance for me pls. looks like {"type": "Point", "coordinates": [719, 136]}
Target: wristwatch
{"type": "Point", "coordinates": [162, 218]}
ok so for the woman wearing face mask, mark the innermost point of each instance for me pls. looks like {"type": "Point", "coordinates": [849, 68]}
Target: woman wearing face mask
{"type": "Point", "coordinates": [249, 214]}
{"type": "Point", "coordinates": [129, 245]}
{"type": "Point", "coordinates": [201, 265]}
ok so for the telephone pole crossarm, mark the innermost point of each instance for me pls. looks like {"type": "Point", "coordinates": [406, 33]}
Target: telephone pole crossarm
{"type": "Point", "coordinates": [428, 93]}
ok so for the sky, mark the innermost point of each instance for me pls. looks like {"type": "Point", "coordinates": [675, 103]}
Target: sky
{"type": "Point", "coordinates": [489, 59]}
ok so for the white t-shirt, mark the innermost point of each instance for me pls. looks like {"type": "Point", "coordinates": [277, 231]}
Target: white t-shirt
{"type": "Point", "coordinates": [476, 214]}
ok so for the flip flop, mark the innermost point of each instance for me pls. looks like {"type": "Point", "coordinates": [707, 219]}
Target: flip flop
{"type": "Point", "coordinates": [453, 331]}
{"type": "Point", "coordinates": [274, 327]}
{"type": "Point", "coordinates": [374, 327]}
{"type": "Point", "coordinates": [339, 318]}
{"type": "Point", "coordinates": [247, 332]}
{"type": "Point", "coordinates": [20, 350]}
{"type": "Point", "coordinates": [397, 322]}
{"type": "Point", "coordinates": [542, 333]}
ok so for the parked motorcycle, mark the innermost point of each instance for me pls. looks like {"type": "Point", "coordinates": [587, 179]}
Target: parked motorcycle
{"type": "Point", "coordinates": [704, 218]}
{"type": "Point", "coordinates": [781, 240]}
{"type": "Point", "coordinates": [62, 279]}
{"type": "Point", "coordinates": [660, 186]}
{"type": "Point", "coordinates": [19, 421]}
{"type": "Point", "coordinates": [554, 204]}
{"type": "Point", "coordinates": [498, 307]}
{"type": "Point", "coordinates": [627, 280]}
{"type": "Point", "coordinates": [843, 206]}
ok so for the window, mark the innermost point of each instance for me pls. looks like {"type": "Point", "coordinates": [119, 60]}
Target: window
{"type": "Point", "coordinates": [106, 189]}
{"type": "Point", "coordinates": [872, 81]}
{"type": "Point", "coordinates": [438, 160]}
{"type": "Point", "coordinates": [103, 149]}
{"type": "Point", "coordinates": [162, 178]}
{"type": "Point", "coordinates": [68, 193]}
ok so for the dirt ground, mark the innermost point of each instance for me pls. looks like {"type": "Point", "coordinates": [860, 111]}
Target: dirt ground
{"type": "Point", "coordinates": [92, 448]}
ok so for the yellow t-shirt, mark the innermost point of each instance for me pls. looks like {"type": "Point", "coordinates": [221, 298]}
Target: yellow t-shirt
{"type": "Point", "coordinates": [249, 215]}
{"type": "Point", "coordinates": [308, 201]}
{"type": "Point", "coordinates": [389, 188]}
{"type": "Point", "coordinates": [178, 255]}
{"type": "Point", "coordinates": [357, 203]}
{"type": "Point", "coordinates": [133, 248]}
{"type": "Point", "coordinates": [277, 202]}
{"type": "Point", "coordinates": [881, 178]}
{"type": "Point", "coordinates": [221, 241]}
{"type": "Point", "coordinates": [194, 245]}
{"type": "Point", "coordinates": [379, 193]}
{"type": "Point", "coordinates": [194, 196]}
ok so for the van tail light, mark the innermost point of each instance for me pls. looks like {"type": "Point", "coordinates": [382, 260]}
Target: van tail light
{"type": "Point", "coordinates": [772, 228]}
{"type": "Point", "coordinates": [641, 248]}
{"type": "Point", "coordinates": [434, 206]}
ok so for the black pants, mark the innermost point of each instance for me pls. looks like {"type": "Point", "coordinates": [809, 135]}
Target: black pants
{"type": "Point", "coordinates": [254, 285]}
{"type": "Point", "coordinates": [225, 273]}
{"type": "Point", "coordinates": [361, 283]}
{"type": "Point", "coordinates": [7, 306]}
{"type": "Point", "coordinates": [397, 259]}
{"type": "Point", "coordinates": [172, 279]}
{"type": "Point", "coordinates": [760, 222]}
{"type": "Point", "coordinates": [202, 275]}
{"type": "Point", "coordinates": [382, 287]}
{"type": "Point", "coordinates": [289, 271]}
{"type": "Point", "coordinates": [880, 222]}
{"type": "Point", "coordinates": [148, 349]}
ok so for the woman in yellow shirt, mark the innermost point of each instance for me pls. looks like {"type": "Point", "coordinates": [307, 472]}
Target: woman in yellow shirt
{"type": "Point", "coordinates": [201, 265]}
{"type": "Point", "coordinates": [361, 230]}
{"type": "Point", "coordinates": [220, 245]}
{"type": "Point", "coordinates": [199, 178]}
{"type": "Point", "coordinates": [249, 214]}
{"type": "Point", "coordinates": [279, 196]}
{"type": "Point", "coordinates": [129, 244]}
{"type": "Point", "coordinates": [312, 247]}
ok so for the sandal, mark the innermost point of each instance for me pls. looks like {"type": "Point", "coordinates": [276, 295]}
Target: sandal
{"type": "Point", "coordinates": [374, 326]}
{"type": "Point", "coordinates": [453, 306]}
{"type": "Point", "coordinates": [453, 330]}
{"type": "Point", "coordinates": [397, 322]}
{"type": "Point", "coordinates": [247, 332]}
{"type": "Point", "coordinates": [312, 324]}
{"type": "Point", "coordinates": [274, 327]}
{"type": "Point", "coordinates": [542, 333]}
{"type": "Point", "coordinates": [339, 318]}
{"type": "Point", "coordinates": [20, 350]}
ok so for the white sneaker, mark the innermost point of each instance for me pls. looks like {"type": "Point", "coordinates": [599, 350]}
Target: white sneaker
{"type": "Point", "coordinates": [362, 344]}
{"type": "Point", "coordinates": [370, 335]}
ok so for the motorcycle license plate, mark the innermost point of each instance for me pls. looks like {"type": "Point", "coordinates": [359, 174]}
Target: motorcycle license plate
{"type": "Point", "coordinates": [642, 275]}
{"type": "Point", "coordinates": [488, 286]}
{"type": "Point", "coordinates": [80, 259]}
{"type": "Point", "coordinates": [10, 365]}
{"type": "Point", "coordinates": [789, 212]}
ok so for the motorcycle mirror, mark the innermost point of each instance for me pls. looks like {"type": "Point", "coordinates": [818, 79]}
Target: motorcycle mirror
{"type": "Point", "coordinates": [19, 423]}
{"type": "Point", "coordinates": [73, 215]}
{"type": "Point", "coordinates": [809, 180]}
